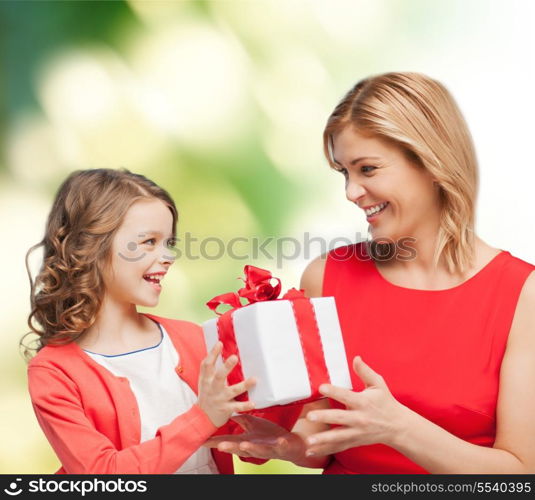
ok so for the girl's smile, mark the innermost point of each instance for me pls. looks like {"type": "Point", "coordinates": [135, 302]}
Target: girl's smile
{"type": "Point", "coordinates": [154, 280]}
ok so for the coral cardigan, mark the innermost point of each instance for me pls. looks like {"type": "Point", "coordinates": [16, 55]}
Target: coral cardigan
{"type": "Point", "coordinates": [91, 417]}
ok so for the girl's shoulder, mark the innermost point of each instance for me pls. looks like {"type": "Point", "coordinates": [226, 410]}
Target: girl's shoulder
{"type": "Point", "coordinates": [55, 356]}
{"type": "Point", "coordinates": [185, 335]}
{"type": "Point", "coordinates": [176, 326]}
{"type": "Point", "coordinates": [69, 357]}
{"type": "Point", "coordinates": [55, 370]}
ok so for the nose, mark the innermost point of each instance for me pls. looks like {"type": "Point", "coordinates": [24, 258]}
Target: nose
{"type": "Point", "coordinates": [167, 256]}
{"type": "Point", "coordinates": [354, 191]}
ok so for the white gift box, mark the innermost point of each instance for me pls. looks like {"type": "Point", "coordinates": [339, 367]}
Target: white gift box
{"type": "Point", "coordinates": [270, 349]}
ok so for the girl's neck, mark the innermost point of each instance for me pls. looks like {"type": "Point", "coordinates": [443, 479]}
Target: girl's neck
{"type": "Point", "coordinates": [118, 327]}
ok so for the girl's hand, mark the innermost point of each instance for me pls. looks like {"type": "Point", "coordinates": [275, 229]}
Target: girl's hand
{"type": "Point", "coordinates": [261, 439]}
{"type": "Point", "coordinates": [216, 397]}
{"type": "Point", "coordinates": [371, 416]}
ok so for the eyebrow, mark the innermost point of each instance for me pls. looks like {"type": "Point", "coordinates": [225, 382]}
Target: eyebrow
{"type": "Point", "coordinates": [356, 160]}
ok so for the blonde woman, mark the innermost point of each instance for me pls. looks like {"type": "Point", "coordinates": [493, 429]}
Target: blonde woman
{"type": "Point", "coordinates": [438, 325]}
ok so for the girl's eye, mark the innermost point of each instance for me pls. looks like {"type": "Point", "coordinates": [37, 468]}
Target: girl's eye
{"type": "Point", "coordinates": [343, 171]}
{"type": "Point", "coordinates": [171, 243]}
{"type": "Point", "coordinates": [367, 171]}
{"type": "Point", "coordinates": [153, 240]}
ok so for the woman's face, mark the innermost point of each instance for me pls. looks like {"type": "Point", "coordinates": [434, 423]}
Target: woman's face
{"type": "Point", "coordinates": [141, 254]}
{"type": "Point", "coordinates": [379, 176]}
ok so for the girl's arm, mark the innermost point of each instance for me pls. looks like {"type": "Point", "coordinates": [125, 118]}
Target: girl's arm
{"type": "Point", "coordinates": [82, 449]}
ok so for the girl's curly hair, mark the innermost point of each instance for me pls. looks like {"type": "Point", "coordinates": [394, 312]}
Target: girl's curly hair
{"type": "Point", "coordinates": [88, 209]}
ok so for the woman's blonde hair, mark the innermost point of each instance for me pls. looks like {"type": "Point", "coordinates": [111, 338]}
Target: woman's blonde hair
{"type": "Point", "coordinates": [88, 209]}
{"type": "Point", "coordinates": [419, 115]}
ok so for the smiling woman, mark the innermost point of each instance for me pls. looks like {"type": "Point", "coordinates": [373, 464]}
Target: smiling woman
{"type": "Point", "coordinates": [442, 342]}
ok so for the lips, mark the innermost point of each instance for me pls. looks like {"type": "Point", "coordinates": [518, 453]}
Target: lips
{"type": "Point", "coordinates": [153, 279]}
{"type": "Point", "coordinates": [156, 286]}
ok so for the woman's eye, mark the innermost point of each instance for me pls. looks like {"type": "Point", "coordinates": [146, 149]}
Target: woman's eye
{"type": "Point", "coordinates": [363, 169]}
{"type": "Point", "coordinates": [151, 241]}
{"type": "Point", "coordinates": [171, 243]}
{"type": "Point", "coordinates": [343, 171]}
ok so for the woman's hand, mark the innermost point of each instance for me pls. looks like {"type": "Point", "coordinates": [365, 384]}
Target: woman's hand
{"type": "Point", "coordinates": [267, 440]}
{"type": "Point", "coordinates": [371, 416]}
{"type": "Point", "coordinates": [261, 439]}
{"type": "Point", "coordinates": [216, 397]}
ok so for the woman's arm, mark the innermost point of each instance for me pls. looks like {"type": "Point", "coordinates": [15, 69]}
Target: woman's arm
{"type": "Point", "coordinates": [427, 444]}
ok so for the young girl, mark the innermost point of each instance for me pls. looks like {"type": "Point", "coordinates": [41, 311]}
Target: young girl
{"type": "Point", "coordinates": [114, 390]}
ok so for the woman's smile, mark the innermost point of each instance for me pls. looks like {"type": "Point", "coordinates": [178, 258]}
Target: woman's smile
{"type": "Point", "coordinates": [375, 211]}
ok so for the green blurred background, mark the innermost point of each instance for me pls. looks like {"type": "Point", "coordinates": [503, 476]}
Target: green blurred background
{"type": "Point", "coordinates": [223, 104]}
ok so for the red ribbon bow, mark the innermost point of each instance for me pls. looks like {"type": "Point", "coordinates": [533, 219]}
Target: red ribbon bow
{"type": "Point", "coordinates": [258, 288]}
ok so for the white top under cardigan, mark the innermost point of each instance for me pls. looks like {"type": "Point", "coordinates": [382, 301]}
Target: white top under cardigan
{"type": "Point", "coordinates": [161, 395]}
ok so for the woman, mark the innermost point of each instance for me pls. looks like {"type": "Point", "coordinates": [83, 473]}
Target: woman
{"type": "Point", "coordinates": [444, 321]}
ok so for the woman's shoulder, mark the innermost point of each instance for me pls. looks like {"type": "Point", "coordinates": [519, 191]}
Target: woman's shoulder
{"type": "Point", "coordinates": [522, 332]}
{"type": "Point", "coordinates": [313, 276]}
{"type": "Point", "coordinates": [518, 262]}
{"type": "Point", "coordinates": [514, 273]}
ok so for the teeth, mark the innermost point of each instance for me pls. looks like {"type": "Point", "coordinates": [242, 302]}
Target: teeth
{"type": "Point", "coordinates": [155, 278]}
{"type": "Point", "coordinates": [375, 209]}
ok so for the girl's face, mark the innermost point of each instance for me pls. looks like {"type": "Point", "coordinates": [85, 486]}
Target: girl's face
{"type": "Point", "coordinates": [404, 200]}
{"type": "Point", "coordinates": [141, 254]}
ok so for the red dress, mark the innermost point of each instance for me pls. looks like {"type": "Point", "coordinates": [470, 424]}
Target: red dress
{"type": "Point", "coordinates": [439, 351]}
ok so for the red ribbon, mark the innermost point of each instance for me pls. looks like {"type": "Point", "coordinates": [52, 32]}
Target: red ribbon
{"type": "Point", "coordinates": [258, 288]}
{"type": "Point", "coordinates": [309, 335]}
